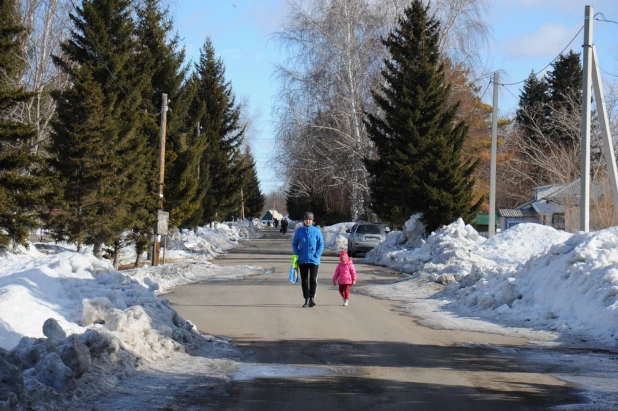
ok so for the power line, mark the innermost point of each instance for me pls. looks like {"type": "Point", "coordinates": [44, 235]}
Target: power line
{"type": "Point", "coordinates": [478, 103]}
{"type": "Point", "coordinates": [507, 89]}
{"type": "Point", "coordinates": [115, 79]}
{"type": "Point", "coordinates": [604, 19]}
{"type": "Point", "coordinates": [548, 64]}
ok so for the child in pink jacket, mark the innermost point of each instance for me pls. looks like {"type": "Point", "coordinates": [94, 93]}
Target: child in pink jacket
{"type": "Point", "coordinates": [346, 274]}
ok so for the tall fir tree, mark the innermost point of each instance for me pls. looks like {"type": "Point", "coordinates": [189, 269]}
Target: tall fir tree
{"type": "Point", "coordinates": [565, 79]}
{"type": "Point", "coordinates": [533, 108]}
{"type": "Point", "coordinates": [542, 99]}
{"type": "Point", "coordinates": [23, 185]}
{"type": "Point", "coordinates": [420, 166]}
{"type": "Point", "coordinates": [100, 145]}
{"type": "Point", "coordinates": [252, 195]}
{"type": "Point", "coordinates": [164, 59]}
{"type": "Point", "coordinates": [220, 123]}
{"type": "Point", "coordinates": [564, 83]}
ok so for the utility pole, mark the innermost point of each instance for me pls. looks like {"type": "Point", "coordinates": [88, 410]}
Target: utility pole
{"type": "Point", "coordinates": [157, 240]}
{"type": "Point", "coordinates": [584, 195]}
{"type": "Point", "coordinates": [242, 206]}
{"type": "Point", "coordinates": [198, 169]}
{"type": "Point", "coordinates": [491, 224]}
{"type": "Point", "coordinates": [608, 142]}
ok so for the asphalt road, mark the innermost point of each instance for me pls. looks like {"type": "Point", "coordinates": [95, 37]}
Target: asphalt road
{"type": "Point", "coordinates": [366, 356]}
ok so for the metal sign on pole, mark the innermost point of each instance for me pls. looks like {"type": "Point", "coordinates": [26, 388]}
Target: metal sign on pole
{"type": "Point", "coordinates": [584, 198]}
{"type": "Point", "coordinates": [491, 224]}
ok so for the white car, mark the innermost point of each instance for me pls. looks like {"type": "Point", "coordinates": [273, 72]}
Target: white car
{"type": "Point", "coordinates": [365, 236]}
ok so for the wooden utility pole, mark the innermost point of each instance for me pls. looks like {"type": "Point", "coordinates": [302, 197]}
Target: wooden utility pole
{"type": "Point", "coordinates": [491, 224]}
{"type": "Point", "coordinates": [242, 206]}
{"type": "Point", "coordinates": [584, 197]}
{"type": "Point", "coordinates": [198, 168]}
{"type": "Point", "coordinates": [157, 240]}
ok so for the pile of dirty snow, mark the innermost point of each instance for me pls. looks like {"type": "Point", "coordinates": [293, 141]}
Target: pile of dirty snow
{"type": "Point", "coordinates": [72, 326]}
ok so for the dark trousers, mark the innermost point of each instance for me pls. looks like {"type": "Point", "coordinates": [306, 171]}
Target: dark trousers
{"type": "Point", "coordinates": [309, 279]}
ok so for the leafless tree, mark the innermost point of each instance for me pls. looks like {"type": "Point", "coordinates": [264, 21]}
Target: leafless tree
{"type": "Point", "coordinates": [541, 160]}
{"type": "Point", "coordinates": [335, 54]}
{"type": "Point", "coordinates": [47, 23]}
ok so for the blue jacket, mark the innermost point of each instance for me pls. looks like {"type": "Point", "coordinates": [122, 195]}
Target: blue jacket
{"type": "Point", "coordinates": [308, 245]}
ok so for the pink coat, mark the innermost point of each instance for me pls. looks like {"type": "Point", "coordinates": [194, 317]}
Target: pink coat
{"type": "Point", "coordinates": [345, 273]}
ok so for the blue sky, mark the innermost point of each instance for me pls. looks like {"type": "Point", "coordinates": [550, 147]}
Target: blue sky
{"type": "Point", "coordinates": [525, 35]}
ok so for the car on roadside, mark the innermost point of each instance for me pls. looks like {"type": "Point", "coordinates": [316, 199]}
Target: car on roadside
{"type": "Point", "coordinates": [365, 236]}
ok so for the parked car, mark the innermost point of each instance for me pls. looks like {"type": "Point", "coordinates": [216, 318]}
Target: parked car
{"type": "Point", "coordinates": [365, 236]}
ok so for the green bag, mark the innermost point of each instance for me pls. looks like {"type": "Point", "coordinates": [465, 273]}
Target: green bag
{"type": "Point", "coordinates": [293, 276]}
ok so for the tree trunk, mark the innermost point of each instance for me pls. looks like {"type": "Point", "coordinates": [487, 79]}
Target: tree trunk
{"type": "Point", "coordinates": [97, 250]}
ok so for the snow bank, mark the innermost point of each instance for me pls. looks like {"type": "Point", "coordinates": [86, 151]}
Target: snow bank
{"type": "Point", "coordinates": [528, 276]}
{"type": "Point", "coordinates": [572, 288]}
{"type": "Point", "coordinates": [66, 317]}
{"type": "Point", "coordinates": [335, 236]}
{"type": "Point", "coordinates": [520, 243]}
{"type": "Point", "coordinates": [446, 252]}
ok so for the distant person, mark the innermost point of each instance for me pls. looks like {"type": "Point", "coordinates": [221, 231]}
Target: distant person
{"type": "Point", "coordinates": [276, 223]}
{"type": "Point", "coordinates": [345, 275]}
{"type": "Point", "coordinates": [308, 245]}
{"type": "Point", "coordinates": [284, 225]}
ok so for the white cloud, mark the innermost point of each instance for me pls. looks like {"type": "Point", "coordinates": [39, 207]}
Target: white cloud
{"type": "Point", "coordinates": [549, 40]}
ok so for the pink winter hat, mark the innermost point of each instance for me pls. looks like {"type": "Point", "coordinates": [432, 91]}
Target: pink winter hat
{"type": "Point", "coordinates": [343, 257]}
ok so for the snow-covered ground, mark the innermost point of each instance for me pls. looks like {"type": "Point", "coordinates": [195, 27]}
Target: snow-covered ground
{"type": "Point", "coordinates": [530, 278]}
{"type": "Point", "coordinates": [531, 281]}
{"type": "Point", "coordinates": [114, 320]}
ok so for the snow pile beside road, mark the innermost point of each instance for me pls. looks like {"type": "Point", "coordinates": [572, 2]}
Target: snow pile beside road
{"type": "Point", "coordinates": [520, 243]}
{"type": "Point", "coordinates": [75, 326]}
{"type": "Point", "coordinates": [528, 276]}
{"type": "Point", "coordinates": [207, 243]}
{"type": "Point", "coordinates": [446, 253]}
{"type": "Point", "coordinates": [571, 288]}
{"type": "Point", "coordinates": [163, 278]}
{"type": "Point", "coordinates": [335, 236]}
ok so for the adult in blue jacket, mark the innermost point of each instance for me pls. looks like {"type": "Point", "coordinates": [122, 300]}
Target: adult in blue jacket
{"type": "Point", "coordinates": [308, 245]}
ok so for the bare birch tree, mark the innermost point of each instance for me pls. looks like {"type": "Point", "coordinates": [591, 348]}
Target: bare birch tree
{"type": "Point", "coordinates": [335, 54]}
{"type": "Point", "coordinates": [541, 160]}
{"type": "Point", "coordinates": [47, 23]}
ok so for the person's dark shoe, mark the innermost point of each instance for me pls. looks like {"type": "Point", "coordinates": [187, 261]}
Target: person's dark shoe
{"type": "Point", "coordinates": [312, 303]}
{"type": "Point", "coordinates": [306, 304]}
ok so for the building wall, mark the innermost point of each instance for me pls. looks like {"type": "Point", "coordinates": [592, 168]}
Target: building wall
{"type": "Point", "coordinates": [507, 222]}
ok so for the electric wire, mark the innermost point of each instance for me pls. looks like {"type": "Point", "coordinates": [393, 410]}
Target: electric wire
{"type": "Point", "coordinates": [507, 89]}
{"type": "Point", "coordinates": [548, 64]}
{"type": "Point", "coordinates": [604, 19]}
{"type": "Point", "coordinates": [478, 103]}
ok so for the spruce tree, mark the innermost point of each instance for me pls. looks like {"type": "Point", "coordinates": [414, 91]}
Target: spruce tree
{"type": "Point", "coordinates": [101, 123]}
{"type": "Point", "coordinates": [533, 108]}
{"type": "Point", "coordinates": [164, 60]}
{"type": "Point", "coordinates": [23, 186]}
{"type": "Point", "coordinates": [420, 167]}
{"type": "Point", "coordinates": [564, 81]}
{"type": "Point", "coordinates": [192, 176]}
{"type": "Point", "coordinates": [220, 123]}
{"type": "Point", "coordinates": [253, 197]}
{"type": "Point", "coordinates": [564, 84]}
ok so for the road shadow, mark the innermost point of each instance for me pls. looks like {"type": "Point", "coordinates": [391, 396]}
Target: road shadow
{"type": "Point", "coordinates": [510, 386]}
